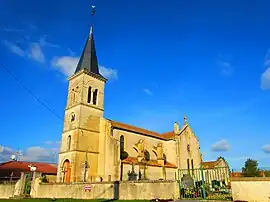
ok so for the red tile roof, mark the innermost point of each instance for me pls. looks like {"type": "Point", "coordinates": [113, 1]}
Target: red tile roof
{"type": "Point", "coordinates": [123, 126]}
{"type": "Point", "coordinates": [22, 166]}
{"type": "Point", "coordinates": [209, 164]}
{"type": "Point", "coordinates": [134, 160]}
{"type": "Point", "coordinates": [212, 164]}
{"type": "Point", "coordinates": [236, 174]}
{"type": "Point", "coordinates": [241, 174]}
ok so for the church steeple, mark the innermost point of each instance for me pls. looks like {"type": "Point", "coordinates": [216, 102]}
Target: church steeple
{"type": "Point", "coordinates": [88, 60]}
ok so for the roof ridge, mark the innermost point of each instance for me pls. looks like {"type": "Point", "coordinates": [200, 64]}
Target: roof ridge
{"type": "Point", "coordinates": [141, 131]}
{"type": "Point", "coordinates": [140, 127]}
{"type": "Point", "coordinates": [134, 126]}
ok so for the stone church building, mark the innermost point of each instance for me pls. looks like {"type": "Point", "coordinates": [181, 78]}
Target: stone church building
{"type": "Point", "coordinates": [94, 148]}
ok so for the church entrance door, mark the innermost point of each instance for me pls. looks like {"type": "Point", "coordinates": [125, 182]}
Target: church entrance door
{"type": "Point", "coordinates": [67, 171]}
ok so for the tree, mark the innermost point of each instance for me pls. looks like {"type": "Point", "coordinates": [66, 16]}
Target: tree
{"type": "Point", "coordinates": [267, 173]}
{"type": "Point", "coordinates": [251, 168]}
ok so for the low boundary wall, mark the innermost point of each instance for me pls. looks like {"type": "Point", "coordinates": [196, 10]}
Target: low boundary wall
{"type": "Point", "coordinates": [6, 190]}
{"type": "Point", "coordinates": [255, 189]}
{"type": "Point", "coordinates": [107, 190]}
{"type": "Point", "coordinates": [10, 189]}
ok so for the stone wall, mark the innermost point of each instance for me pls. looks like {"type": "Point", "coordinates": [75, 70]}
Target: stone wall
{"type": "Point", "coordinates": [251, 189]}
{"type": "Point", "coordinates": [108, 190]}
{"type": "Point", "coordinates": [10, 189]}
{"type": "Point", "coordinates": [149, 190]}
{"type": "Point", "coordinates": [6, 190]}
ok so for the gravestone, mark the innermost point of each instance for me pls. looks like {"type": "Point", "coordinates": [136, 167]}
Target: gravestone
{"type": "Point", "coordinates": [132, 176]}
{"type": "Point", "coordinates": [187, 181]}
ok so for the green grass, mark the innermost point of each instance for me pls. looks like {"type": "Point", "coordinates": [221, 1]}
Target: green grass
{"type": "Point", "coordinates": [70, 200]}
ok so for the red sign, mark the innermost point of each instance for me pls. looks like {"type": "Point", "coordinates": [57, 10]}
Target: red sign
{"type": "Point", "coordinates": [87, 188]}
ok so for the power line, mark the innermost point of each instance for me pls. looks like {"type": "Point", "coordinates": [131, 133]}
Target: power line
{"type": "Point", "coordinates": [30, 92]}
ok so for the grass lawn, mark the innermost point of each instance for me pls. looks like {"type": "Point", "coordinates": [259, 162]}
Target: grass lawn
{"type": "Point", "coordinates": [69, 200]}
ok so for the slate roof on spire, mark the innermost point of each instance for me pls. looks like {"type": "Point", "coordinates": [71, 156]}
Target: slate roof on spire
{"type": "Point", "coordinates": [88, 60]}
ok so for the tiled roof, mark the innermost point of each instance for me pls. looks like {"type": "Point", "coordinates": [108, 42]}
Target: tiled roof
{"type": "Point", "coordinates": [241, 174]}
{"type": "Point", "coordinates": [212, 164]}
{"type": "Point", "coordinates": [209, 164]}
{"type": "Point", "coordinates": [134, 160]}
{"type": "Point", "coordinates": [236, 174]}
{"type": "Point", "coordinates": [123, 126]}
{"type": "Point", "coordinates": [22, 166]}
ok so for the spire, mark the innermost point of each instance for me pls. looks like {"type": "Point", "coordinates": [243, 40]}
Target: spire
{"type": "Point", "coordinates": [88, 60]}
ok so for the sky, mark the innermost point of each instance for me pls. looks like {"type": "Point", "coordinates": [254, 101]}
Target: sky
{"type": "Point", "coordinates": [208, 60]}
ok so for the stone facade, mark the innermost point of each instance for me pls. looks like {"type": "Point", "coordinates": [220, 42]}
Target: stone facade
{"type": "Point", "coordinates": [94, 148]}
{"type": "Point", "coordinates": [91, 143]}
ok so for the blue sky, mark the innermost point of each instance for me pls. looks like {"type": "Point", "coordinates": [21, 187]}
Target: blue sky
{"type": "Point", "coordinates": [206, 59]}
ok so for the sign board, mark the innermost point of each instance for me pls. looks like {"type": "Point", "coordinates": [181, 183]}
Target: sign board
{"type": "Point", "coordinates": [88, 188]}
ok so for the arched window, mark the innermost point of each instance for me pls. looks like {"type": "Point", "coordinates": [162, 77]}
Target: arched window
{"type": "Point", "coordinates": [68, 142]}
{"type": "Point", "coordinates": [122, 143]}
{"type": "Point", "coordinates": [89, 95]}
{"type": "Point", "coordinates": [95, 96]}
{"type": "Point", "coordinates": [72, 117]}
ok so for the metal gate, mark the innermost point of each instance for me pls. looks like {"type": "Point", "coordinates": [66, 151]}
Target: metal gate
{"type": "Point", "coordinates": [205, 183]}
{"type": "Point", "coordinates": [27, 186]}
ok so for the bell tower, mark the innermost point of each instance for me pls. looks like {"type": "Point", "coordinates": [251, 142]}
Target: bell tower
{"type": "Point", "coordinates": [79, 152]}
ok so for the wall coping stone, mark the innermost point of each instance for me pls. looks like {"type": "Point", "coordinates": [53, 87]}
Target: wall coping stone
{"type": "Point", "coordinates": [109, 182]}
{"type": "Point", "coordinates": [250, 179]}
{"type": "Point", "coordinates": [149, 181]}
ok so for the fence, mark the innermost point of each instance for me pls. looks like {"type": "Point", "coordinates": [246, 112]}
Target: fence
{"type": "Point", "coordinates": [205, 183]}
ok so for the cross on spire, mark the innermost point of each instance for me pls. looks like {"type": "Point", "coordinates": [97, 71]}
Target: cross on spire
{"type": "Point", "coordinates": [88, 60]}
{"type": "Point", "coordinates": [185, 119]}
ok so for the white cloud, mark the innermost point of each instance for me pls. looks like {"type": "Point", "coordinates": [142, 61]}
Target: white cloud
{"type": "Point", "coordinates": [52, 142]}
{"type": "Point", "coordinates": [71, 52]}
{"type": "Point", "coordinates": [14, 48]}
{"type": "Point", "coordinates": [5, 153]}
{"type": "Point", "coordinates": [265, 79]}
{"type": "Point", "coordinates": [147, 91]}
{"type": "Point", "coordinates": [267, 59]}
{"type": "Point", "coordinates": [36, 153]}
{"type": "Point", "coordinates": [66, 64]}
{"type": "Point", "coordinates": [12, 30]}
{"type": "Point", "coordinates": [36, 53]}
{"type": "Point", "coordinates": [43, 42]}
{"type": "Point", "coordinates": [266, 148]}
{"type": "Point", "coordinates": [108, 73]}
{"type": "Point", "coordinates": [33, 27]}
{"type": "Point", "coordinates": [221, 145]}
{"type": "Point", "coordinates": [226, 68]}
{"type": "Point", "coordinates": [225, 65]}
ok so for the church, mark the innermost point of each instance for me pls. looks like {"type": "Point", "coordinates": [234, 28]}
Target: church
{"type": "Point", "coordinates": [94, 148]}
